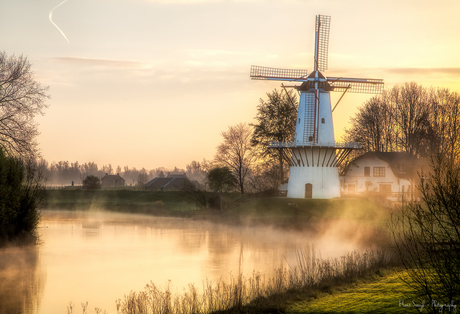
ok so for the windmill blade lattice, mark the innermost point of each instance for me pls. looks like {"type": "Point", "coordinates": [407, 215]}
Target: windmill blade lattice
{"type": "Point", "coordinates": [356, 85]}
{"type": "Point", "coordinates": [323, 23]}
{"type": "Point", "coordinates": [266, 73]}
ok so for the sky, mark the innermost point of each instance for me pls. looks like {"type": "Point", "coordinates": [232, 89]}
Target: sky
{"type": "Point", "coordinates": [153, 83]}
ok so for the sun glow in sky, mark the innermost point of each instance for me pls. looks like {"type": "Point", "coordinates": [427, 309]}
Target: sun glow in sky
{"type": "Point", "coordinates": [153, 83]}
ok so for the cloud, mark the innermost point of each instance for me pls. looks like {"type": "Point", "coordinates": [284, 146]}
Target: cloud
{"type": "Point", "coordinates": [206, 53]}
{"type": "Point", "coordinates": [424, 71]}
{"type": "Point", "coordinates": [108, 63]}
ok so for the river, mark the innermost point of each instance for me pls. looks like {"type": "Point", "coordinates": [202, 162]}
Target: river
{"type": "Point", "coordinates": [98, 257]}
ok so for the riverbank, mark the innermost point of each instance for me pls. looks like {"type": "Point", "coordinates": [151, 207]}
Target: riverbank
{"type": "Point", "coordinates": [274, 211]}
{"type": "Point", "coordinates": [382, 291]}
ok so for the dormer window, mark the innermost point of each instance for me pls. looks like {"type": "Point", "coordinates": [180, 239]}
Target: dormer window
{"type": "Point", "coordinates": [402, 167]}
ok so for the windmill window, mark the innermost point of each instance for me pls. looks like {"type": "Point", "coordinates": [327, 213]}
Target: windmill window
{"type": "Point", "coordinates": [299, 120]}
{"type": "Point", "coordinates": [322, 120]}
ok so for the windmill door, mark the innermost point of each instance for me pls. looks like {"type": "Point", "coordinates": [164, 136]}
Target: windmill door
{"type": "Point", "coordinates": [308, 190]}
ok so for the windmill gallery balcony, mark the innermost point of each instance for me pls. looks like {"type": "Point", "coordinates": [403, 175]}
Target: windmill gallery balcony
{"type": "Point", "coordinates": [311, 154]}
{"type": "Point", "coordinates": [351, 145]}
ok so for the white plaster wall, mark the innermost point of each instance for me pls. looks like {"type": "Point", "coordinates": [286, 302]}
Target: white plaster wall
{"type": "Point", "coordinates": [318, 172]}
{"type": "Point", "coordinates": [326, 129]}
{"type": "Point", "coordinates": [355, 175]}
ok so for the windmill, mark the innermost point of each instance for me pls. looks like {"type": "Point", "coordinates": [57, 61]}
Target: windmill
{"type": "Point", "coordinates": [314, 155]}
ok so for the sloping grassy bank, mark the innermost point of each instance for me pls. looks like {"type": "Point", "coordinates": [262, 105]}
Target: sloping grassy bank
{"type": "Point", "coordinates": [381, 292]}
{"type": "Point", "coordinates": [271, 210]}
{"type": "Point", "coordinates": [128, 201]}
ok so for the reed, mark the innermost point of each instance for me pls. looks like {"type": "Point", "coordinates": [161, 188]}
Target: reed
{"type": "Point", "coordinates": [250, 293]}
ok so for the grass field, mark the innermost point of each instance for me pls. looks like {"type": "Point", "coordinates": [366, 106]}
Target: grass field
{"type": "Point", "coordinates": [385, 294]}
{"type": "Point", "coordinates": [161, 203]}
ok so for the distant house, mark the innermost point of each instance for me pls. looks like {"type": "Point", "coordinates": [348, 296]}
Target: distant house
{"type": "Point", "coordinates": [174, 181]}
{"type": "Point", "coordinates": [382, 174]}
{"type": "Point", "coordinates": [110, 180]}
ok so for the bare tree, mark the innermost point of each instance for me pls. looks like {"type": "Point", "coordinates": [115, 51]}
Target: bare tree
{"type": "Point", "coordinates": [427, 235]}
{"type": "Point", "coordinates": [408, 118]}
{"type": "Point", "coordinates": [21, 99]}
{"type": "Point", "coordinates": [236, 152]}
{"type": "Point", "coordinates": [276, 121]}
{"type": "Point", "coordinates": [445, 120]}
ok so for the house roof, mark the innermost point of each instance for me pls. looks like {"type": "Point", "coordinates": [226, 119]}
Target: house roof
{"type": "Point", "coordinates": [112, 177]}
{"type": "Point", "coordinates": [403, 165]}
{"type": "Point", "coordinates": [167, 182]}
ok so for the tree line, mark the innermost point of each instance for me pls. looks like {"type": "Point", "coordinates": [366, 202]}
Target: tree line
{"type": "Point", "coordinates": [65, 172]}
{"type": "Point", "coordinates": [409, 118]}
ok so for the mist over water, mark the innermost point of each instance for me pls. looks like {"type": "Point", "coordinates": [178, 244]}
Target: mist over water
{"type": "Point", "coordinates": [101, 256]}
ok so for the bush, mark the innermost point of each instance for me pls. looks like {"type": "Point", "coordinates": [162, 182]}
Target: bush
{"type": "Point", "coordinates": [92, 183]}
{"type": "Point", "coordinates": [21, 194]}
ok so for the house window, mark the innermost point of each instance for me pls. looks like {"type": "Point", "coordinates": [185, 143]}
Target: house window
{"type": "Point", "coordinates": [379, 171]}
{"type": "Point", "coordinates": [367, 171]}
{"type": "Point", "coordinates": [385, 188]}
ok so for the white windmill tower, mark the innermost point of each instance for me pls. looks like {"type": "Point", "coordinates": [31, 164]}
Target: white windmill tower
{"type": "Point", "coordinates": [313, 155]}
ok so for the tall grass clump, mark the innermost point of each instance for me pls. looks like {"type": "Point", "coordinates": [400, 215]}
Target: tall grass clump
{"type": "Point", "coordinates": [255, 293]}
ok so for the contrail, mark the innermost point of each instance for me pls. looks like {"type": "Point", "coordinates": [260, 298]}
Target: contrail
{"type": "Point", "coordinates": [51, 19]}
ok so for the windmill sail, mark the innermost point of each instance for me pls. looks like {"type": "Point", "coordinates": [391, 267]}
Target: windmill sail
{"type": "Point", "coordinates": [266, 73]}
{"type": "Point", "coordinates": [356, 85]}
{"type": "Point", "coordinates": [323, 23]}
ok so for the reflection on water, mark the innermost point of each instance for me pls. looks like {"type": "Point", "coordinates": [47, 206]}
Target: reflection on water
{"type": "Point", "coordinates": [98, 257]}
{"type": "Point", "coordinates": [21, 280]}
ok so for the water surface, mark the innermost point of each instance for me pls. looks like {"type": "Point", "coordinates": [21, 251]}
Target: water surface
{"type": "Point", "coordinates": [98, 257]}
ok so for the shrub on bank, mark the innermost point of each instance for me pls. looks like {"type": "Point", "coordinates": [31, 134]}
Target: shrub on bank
{"type": "Point", "coordinates": [20, 196]}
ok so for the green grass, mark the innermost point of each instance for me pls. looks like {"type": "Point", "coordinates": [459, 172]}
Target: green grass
{"type": "Point", "coordinates": [161, 203]}
{"type": "Point", "coordinates": [308, 213]}
{"type": "Point", "coordinates": [360, 209]}
{"type": "Point", "coordinates": [384, 294]}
